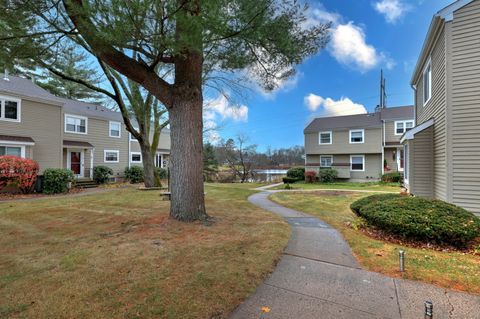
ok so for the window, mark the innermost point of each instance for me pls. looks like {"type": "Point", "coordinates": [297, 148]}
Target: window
{"type": "Point", "coordinates": [111, 156]}
{"type": "Point", "coordinates": [115, 129]}
{"type": "Point", "coordinates": [427, 82]}
{"type": "Point", "coordinates": [159, 160]}
{"type": "Point", "coordinates": [403, 126]}
{"type": "Point", "coordinates": [75, 124]}
{"type": "Point", "coordinates": [9, 109]}
{"type": "Point", "coordinates": [357, 136]}
{"type": "Point", "coordinates": [135, 157]}
{"type": "Point", "coordinates": [325, 138]}
{"type": "Point", "coordinates": [357, 163]}
{"type": "Point", "coordinates": [12, 150]}
{"type": "Point", "coordinates": [132, 138]}
{"type": "Point", "coordinates": [326, 161]}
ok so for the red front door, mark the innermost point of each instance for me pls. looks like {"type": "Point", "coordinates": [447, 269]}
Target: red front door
{"type": "Point", "coordinates": [76, 162]}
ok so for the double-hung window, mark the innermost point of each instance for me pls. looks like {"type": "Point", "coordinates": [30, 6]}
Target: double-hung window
{"type": "Point", "coordinates": [75, 124]}
{"type": "Point", "coordinates": [427, 82]}
{"type": "Point", "coordinates": [357, 163]}
{"type": "Point", "coordinates": [326, 160]}
{"type": "Point", "coordinates": [357, 136]}
{"type": "Point", "coordinates": [12, 150]}
{"type": "Point", "coordinates": [10, 109]}
{"type": "Point", "coordinates": [135, 157]}
{"type": "Point", "coordinates": [403, 126]}
{"type": "Point", "coordinates": [115, 129]}
{"type": "Point", "coordinates": [111, 156]}
{"type": "Point", "coordinates": [325, 138]}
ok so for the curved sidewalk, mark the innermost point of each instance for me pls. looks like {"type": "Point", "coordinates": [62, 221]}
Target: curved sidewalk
{"type": "Point", "coordinates": [318, 277]}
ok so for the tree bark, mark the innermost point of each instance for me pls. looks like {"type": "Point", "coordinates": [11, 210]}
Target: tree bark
{"type": "Point", "coordinates": [148, 160]}
{"type": "Point", "coordinates": [186, 180]}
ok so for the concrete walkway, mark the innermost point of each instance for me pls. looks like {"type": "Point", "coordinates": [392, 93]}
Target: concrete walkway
{"type": "Point", "coordinates": [318, 277]}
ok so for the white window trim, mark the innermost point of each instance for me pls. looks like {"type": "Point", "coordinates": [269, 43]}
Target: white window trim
{"type": "Point", "coordinates": [110, 129]}
{"type": "Point", "coordinates": [404, 126]}
{"type": "Point", "coordinates": [136, 162]}
{"type": "Point", "coordinates": [22, 148]}
{"type": "Point", "coordinates": [2, 108]}
{"type": "Point", "coordinates": [320, 139]}
{"type": "Point", "coordinates": [363, 163]}
{"type": "Point", "coordinates": [111, 151]}
{"type": "Point", "coordinates": [358, 130]}
{"type": "Point", "coordinates": [428, 64]}
{"type": "Point", "coordinates": [78, 117]}
{"type": "Point", "coordinates": [331, 160]}
{"type": "Point", "coordinates": [133, 139]}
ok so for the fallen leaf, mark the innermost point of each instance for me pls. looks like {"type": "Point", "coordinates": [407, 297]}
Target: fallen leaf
{"type": "Point", "coordinates": [265, 309]}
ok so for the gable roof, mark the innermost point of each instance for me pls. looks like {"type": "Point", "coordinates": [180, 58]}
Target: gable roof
{"type": "Point", "coordinates": [91, 110]}
{"type": "Point", "coordinates": [360, 120]}
{"type": "Point", "coordinates": [25, 88]}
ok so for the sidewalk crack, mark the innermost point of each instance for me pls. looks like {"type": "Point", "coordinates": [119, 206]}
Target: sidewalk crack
{"type": "Point", "coordinates": [452, 308]}
{"type": "Point", "coordinates": [396, 296]}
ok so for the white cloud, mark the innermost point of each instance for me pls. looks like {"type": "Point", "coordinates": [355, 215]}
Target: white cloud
{"type": "Point", "coordinates": [393, 10]}
{"type": "Point", "coordinates": [331, 107]}
{"type": "Point", "coordinates": [221, 106]}
{"type": "Point", "coordinates": [348, 45]}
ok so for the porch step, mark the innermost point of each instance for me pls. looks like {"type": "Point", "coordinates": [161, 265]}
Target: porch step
{"type": "Point", "coordinates": [85, 183]}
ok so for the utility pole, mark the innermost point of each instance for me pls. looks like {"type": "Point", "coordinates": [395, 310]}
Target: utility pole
{"type": "Point", "coordinates": [383, 94]}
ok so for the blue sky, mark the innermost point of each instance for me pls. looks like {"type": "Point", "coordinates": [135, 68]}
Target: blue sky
{"type": "Point", "coordinates": [367, 35]}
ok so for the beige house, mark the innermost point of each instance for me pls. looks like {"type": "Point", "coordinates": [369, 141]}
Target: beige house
{"type": "Point", "coordinates": [442, 153]}
{"type": "Point", "coordinates": [360, 147]}
{"type": "Point", "coordinates": [64, 133]}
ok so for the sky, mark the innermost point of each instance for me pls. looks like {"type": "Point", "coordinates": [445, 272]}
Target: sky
{"type": "Point", "coordinates": [342, 79]}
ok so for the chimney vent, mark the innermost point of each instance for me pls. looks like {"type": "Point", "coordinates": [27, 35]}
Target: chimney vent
{"type": "Point", "coordinates": [5, 75]}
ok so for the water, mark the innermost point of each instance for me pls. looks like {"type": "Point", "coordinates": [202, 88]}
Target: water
{"type": "Point", "coordinates": [269, 175]}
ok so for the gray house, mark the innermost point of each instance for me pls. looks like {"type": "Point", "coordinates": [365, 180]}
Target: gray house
{"type": "Point", "coordinates": [61, 133]}
{"type": "Point", "coordinates": [442, 153]}
{"type": "Point", "coordinates": [360, 147]}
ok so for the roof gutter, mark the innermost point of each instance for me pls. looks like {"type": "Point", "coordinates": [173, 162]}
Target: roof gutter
{"type": "Point", "coordinates": [410, 135]}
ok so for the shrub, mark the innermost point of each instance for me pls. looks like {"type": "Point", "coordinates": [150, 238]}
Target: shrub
{"type": "Point", "coordinates": [328, 175]}
{"type": "Point", "coordinates": [298, 173]}
{"type": "Point", "coordinates": [289, 180]}
{"type": "Point", "coordinates": [101, 174]}
{"type": "Point", "coordinates": [394, 177]}
{"type": "Point", "coordinates": [356, 205]}
{"type": "Point", "coordinates": [161, 172]}
{"type": "Point", "coordinates": [421, 219]}
{"type": "Point", "coordinates": [134, 174]}
{"type": "Point", "coordinates": [18, 172]}
{"type": "Point", "coordinates": [310, 176]}
{"type": "Point", "coordinates": [56, 180]}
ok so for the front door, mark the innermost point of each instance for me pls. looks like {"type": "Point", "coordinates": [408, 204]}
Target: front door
{"type": "Point", "coordinates": [400, 160]}
{"type": "Point", "coordinates": [76, 162]}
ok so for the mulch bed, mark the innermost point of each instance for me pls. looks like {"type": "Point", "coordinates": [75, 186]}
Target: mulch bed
{"type": "Point", "coordinates": [8, 197]}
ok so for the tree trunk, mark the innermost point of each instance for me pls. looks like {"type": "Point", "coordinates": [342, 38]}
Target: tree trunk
{"type": "Point", "coordinates": [186, 126]}
{"type": "Point", "coordinates": [148, 160]}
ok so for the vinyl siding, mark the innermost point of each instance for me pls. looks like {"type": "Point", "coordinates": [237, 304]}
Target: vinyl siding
{"type": "Point", "coordinates": [436, 108]}
{"type": "Point", "coordinates": [340, 143]}
{"type": "Point", "coordinates": [98, 136]}
{"type": "Point", "coordinates": [163, 143]}
{"type": "Point", "coordinates": [43, 123]}
{"type": "Point", "coordinates": [421, 163]}
{"type": "Point", "coordinates": [465, 77]}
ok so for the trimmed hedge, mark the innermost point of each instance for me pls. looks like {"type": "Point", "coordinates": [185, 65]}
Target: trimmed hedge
{"type": "Point", "coordinates": [134, 174]}
{"type": "Point", "coordinates": [419, 219]}
{"type": "Point", "coordinates": [394, 177]}
{"type": "Point", "coordinates": [296, 172]}
{"type": "Point", "coordinates": [55, 180]}
{"type": "Point", "coordinates": [289, 180]}
{"type": "Point", "coordinates": [327, 175]}
{"type": "Point", "coordinates": [101, 174]}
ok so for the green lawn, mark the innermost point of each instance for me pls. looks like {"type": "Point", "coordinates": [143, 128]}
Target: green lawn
{"type": "Point", "coordinates": [118, 255]}
{"type": "Point", "coordinates": [454, 270]}
{"type": "Point", "coordinates": [370, 186]}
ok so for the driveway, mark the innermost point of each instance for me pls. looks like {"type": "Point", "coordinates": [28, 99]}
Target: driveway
{"type": "Point", "coordinates": [318, 277]}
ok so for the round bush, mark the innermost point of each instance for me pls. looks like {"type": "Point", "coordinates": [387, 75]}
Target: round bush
{"type": "Point", "coordinates": [310, 176]}
{"type": "Point", "coordinates": [297, 173]}
{"type": "Point", "coordinates": [355, 206]}
{"type": "Point", "coordinates": [18, 172]}
{"type": "Point", "coordinates": [56, 180]}
{"type": "Point", "coordinates": [101, 174]}
{"type": "Point", "coordinates": [134, 174]}
{"type": "Point", "coordinates": [394, 177]}
{"type": "Point", "coordinates": [161, 172]}
{"type": "Point", "coordinates": [420, 219]}
{"type": "Point", "coordinates": [327, 175]}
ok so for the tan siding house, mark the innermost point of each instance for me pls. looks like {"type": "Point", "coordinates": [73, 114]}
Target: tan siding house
{"type": "Point", "coordinates": [64, 133]}
{"type": "Point", "coordinates": [447, 108]}
{"type": "Point", "coordinates": [360, 147]}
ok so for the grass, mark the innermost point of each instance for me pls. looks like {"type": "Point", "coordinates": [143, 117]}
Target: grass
{"type": "Point", "coordinates": [118, 255]}
{"type": "Point", "coordinates": [369, 186]}
{"type": "Point", "coordinates": [453, 270]}
{"type": "Point", "coordinates": [236, 185]}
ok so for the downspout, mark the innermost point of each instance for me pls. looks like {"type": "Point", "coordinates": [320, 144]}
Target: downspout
{"type": "Point", "coordinates": [129, 149]}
